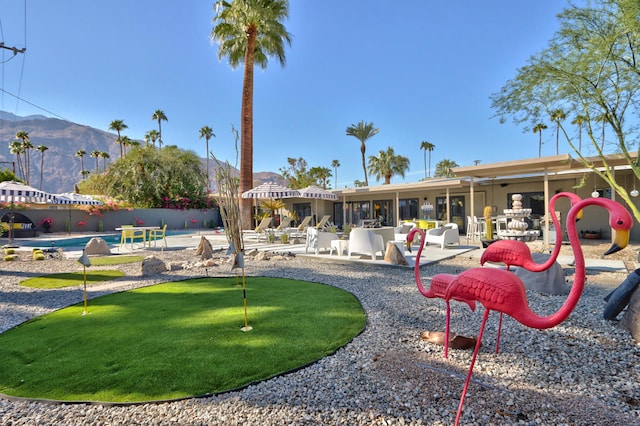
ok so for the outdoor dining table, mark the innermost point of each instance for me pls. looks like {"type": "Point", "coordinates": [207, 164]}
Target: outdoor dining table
{"type": "Point", "coordinates": [145, 229]}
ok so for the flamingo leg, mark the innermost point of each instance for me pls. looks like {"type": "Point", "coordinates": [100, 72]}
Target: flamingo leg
{"type": "Point", "coordinates": [473, 361]}
{"type": "Point", "coordinates": [446, 330]}
{"type": "Point", "coordinates": [499, 330]}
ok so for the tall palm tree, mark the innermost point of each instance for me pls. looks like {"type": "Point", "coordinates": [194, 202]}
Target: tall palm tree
{"type": "Point", "coordinates": [335, 164]}
{"type": "Point", "coordinates": [118, 126]}
{"type": "Point", "coordinates": [159, 116]}
{"type": "Point", "coordinates": [80, 154]}
{"type": "Point", "coordinates": [249, 32]}
{"type": "Point", "coordinates": [387, 164]}
{"type": "Point", "coordinates": [15, 147]}
{"type": "Point", "coordinates": [579, 121]}
{"type": "Point", "coordinates": [604, 119]}
{"type": "Point", "coordinates": [538, 128]}
{"type": "Point", "coordinates": [206, 132]}
{"type": "Point", "coordinates": [95, 154]}
{"type": "Point", "coordinates": [557, 116]}
{"type": "Point", "coordinates": [363, 131]}
{"type": "Point", "coordinates": [27, 146]}
{"type": "Point", "coordinates": [104, 155]}
{"type": "Point", "coordinates": [153, 136]}
{"type": "Point", "coordinates": [427, 146]}
{"type": "Point", "coordinates": [42, 149]}
{"type": "Point", "coordinates": [443, 168]}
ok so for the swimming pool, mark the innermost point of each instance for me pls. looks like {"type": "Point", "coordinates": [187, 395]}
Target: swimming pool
{"type": "Point", "coordinates": [111, 239]}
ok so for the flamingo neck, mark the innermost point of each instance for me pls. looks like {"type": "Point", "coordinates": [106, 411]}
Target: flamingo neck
{"type": "Point", "coordinates": [416, 267]}
{"type": "Point", "coordinates": [532, 320]}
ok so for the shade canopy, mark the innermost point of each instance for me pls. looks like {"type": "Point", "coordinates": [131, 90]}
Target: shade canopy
{"type": "Point", "coordinates": [314, 191]}
{"type": "Point", "coordinates": [17, 192]}
{"type": "Point", "coordinates": [271, 190]}
{"type": "Point", "coordinates": [73, 198]}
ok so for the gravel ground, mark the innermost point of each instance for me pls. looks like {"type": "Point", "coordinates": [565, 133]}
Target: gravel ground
{"type": "Point", "coordinates": [583, 372]}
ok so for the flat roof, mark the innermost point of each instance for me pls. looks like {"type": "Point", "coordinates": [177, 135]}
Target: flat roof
{"type": "Point", "coordinates": [518, 167]}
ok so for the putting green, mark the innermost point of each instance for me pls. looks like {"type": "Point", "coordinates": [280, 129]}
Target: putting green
{"type": "Point", "coordinates": [176, 340]}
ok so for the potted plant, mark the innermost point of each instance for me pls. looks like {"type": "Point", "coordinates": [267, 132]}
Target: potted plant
{"type": "Point", "coordinates": [488, 236]}
{"type": "Point", "coordinates": [46, 223]}
{"type": "Point", "coordinates": [592, 235]}
{"type": "Point", "coordinates": [284, 238]}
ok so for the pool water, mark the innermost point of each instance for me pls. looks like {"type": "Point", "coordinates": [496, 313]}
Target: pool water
{"type": "Point", "coordinates": [111, 239]}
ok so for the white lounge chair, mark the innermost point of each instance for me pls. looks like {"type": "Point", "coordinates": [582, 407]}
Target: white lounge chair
{"type": "Point", "coordinates": [260, 230]}
{"type": "Point", "coordinates": [323, 222]}
{"type": "Point", "coordinates": [318, 240]}
{"type": "Point", "coordinates": [365, 241]}
{"type": "Point", "coordinates": [444, 235]}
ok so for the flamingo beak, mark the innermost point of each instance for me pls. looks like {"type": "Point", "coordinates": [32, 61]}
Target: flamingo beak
{"type": "Point", "coordinates": [620, 241]}
{"type": "Point", "coordinates": [579, 216]}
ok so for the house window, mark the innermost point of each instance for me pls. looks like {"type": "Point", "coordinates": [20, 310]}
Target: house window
{"type": "Point", "coordinates": [530, 200]}
{"type": "Point", "coordinates": [408, 208]}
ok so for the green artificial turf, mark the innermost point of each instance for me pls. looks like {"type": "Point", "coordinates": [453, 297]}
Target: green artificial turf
{"type": "Point", "coordinates": [176, 340]}
{"type": "Point", "coordinates": [114, 260]}
{"type": "Point", "coordinates": [70, 279]}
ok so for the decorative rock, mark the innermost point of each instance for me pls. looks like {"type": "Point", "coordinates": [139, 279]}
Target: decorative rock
{"type": "Point", "coordinates": [151, 265]}
{"type": "Point", "coordinates": [394, 256]}
{"type": "Point", "coordinates": [261, 256]}
{"type": "Point", "coordinates": [204, 250]}
{"type": "Point", "coordinates": [550, 281]}
{"type": "Point", "coordinates": [209, 262]}
{"type": "Point", "coordinates": [97, 245]}
{"type": "Point", "coordinates": [631, 318]}
{"type": "Point", "coordinates": [174, 266]}
{"type": "Point", "coordinates": [455, 341]}
{"type": "Point", "coordinates": [251, 252]}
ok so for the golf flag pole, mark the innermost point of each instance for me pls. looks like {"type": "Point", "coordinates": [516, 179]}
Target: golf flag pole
{"type": "Point", "coordinates": [84, 261]}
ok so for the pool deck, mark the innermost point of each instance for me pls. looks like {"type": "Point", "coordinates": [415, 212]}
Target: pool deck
{"type": "Point", "coordinates": [190, 241]}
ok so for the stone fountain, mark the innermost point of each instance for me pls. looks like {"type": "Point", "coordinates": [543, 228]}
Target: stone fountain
{"type": "Point", "coordinates": [517, 227]}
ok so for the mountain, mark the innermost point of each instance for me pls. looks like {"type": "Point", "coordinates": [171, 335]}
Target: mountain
{"type": "Point", "coordinates": [61, 168]}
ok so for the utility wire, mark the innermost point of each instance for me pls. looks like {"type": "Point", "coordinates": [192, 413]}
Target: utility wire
{"type": "Point", "coordinates": [32, 104]}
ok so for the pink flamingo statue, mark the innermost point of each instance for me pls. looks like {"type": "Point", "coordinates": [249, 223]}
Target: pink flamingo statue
{"type": "Point", "coordinates": [517, 253]}
{"type": "Point", "coordinates": [500, 290]}
{"type": "Point", "coordinates": [439, 282]}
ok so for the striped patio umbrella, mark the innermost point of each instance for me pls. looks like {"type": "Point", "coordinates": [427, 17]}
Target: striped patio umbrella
{"type": "Point", "coordinates": [317, 193]}
{"type": "Point", "coordinates": [271, 190]}
{"type": "Point", "coordinates": [73, 198]}
{"type": "Point", "coordinates": [17, 192]}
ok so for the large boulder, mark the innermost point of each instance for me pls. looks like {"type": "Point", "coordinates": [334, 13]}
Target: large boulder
{"type": "Point", "coordinates": [97, 246]}
{"type": "Point", "coordinates": [550, 281]}
{"type": "Point", "coordinates": [631, 318]}
{"type": "Point", "coordinates": [151, 265]}
{"type": "Point", "coordinates": [394, 254]}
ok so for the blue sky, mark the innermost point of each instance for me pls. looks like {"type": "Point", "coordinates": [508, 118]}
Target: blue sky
{"type": "Point", "coordinates": [419, 69]}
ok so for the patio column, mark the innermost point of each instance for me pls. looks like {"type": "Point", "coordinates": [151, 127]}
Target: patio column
{"type": "Point", "coordinates": [472, 207]}
{"type": "Point", "coordinates": [546, 209]}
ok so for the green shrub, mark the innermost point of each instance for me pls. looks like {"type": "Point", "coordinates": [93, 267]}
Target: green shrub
{"type": "Point", "coordinates": [10, 257]}
{"type": "Point", "coordinates": [38, 256]}
{"type": "Point", "coordinates": [9, 251]}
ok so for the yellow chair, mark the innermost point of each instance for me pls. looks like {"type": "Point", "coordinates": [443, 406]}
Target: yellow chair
{"type": "Point", "coordinates": [131, 234]}
{"type": "Point", "coordinates": [155, 234]}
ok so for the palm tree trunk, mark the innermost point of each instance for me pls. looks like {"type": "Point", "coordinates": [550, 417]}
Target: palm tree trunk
{"type": "Point", "coordinates": [41, 166]}
{"type": "Point", "coordinates": [207, 153]}
{"type": "Point", "coordinates": [246, 140]}
{"type": "Point", "coordinates": [364, 167]}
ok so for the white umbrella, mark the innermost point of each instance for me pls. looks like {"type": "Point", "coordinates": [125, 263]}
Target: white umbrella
{"type": "Point", "coordinates": [11, 192]}
{"type": "Point", "coordinates": [317, 193]}
{"type": "Point", "coordinates": [270, 190]}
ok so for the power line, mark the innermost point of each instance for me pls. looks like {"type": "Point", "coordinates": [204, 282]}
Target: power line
{"type": "Point", "coordinates": [32, 104]}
